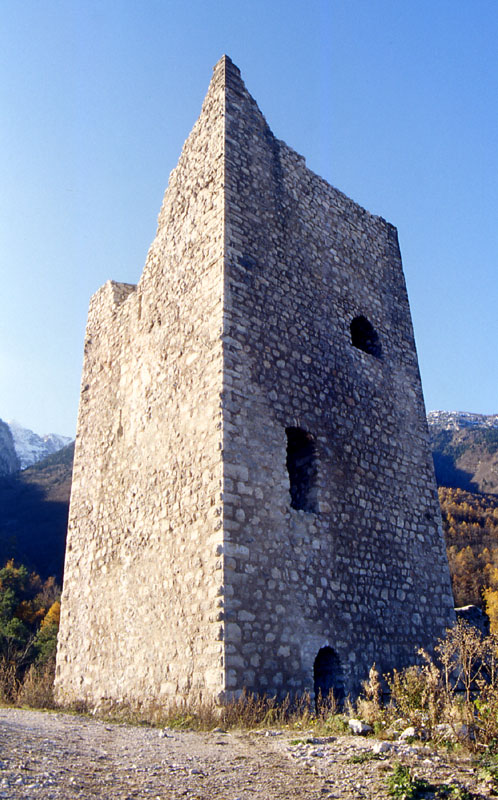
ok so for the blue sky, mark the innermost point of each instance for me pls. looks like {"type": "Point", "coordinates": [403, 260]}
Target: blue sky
{"type": "Point", "coordinates": [392, 101]}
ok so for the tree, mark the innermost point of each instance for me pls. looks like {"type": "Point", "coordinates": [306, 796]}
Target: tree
{"type": "Point", "coordinates": [29, 618]}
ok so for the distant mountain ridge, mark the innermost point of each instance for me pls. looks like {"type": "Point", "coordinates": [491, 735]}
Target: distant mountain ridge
{"type": "Point", "coordinates": [30, 447]}
{"type": "Point", "coordinates": [34, 505]}
{"type": "Point", "coordinates": [465, 450]}
{"type": "Point", "coordinates": [9, 460]}
{"type": "Point", "coordinates": [458, 420]}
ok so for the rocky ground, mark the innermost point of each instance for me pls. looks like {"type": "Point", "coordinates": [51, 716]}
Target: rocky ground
{"type": "Point", "coordinates": [53, 756]}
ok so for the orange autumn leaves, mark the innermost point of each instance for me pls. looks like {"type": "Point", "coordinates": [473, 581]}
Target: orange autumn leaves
{"type": "Point", "coordinates": [470, 523]}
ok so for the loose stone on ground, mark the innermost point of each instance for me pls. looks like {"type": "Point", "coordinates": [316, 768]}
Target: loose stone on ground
{"type": "Point", "coordinates": [62, 757]}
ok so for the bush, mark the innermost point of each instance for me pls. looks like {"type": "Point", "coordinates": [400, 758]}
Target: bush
{"type": "Point", "coordinates": [37, 687]}
{"type": "Point", "coordinates": [403, 786]}
{"type": "Point", "coordinates": [29, 622]}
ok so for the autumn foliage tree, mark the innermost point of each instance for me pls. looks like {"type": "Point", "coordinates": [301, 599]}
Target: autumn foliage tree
{"type": "Point", "coordinates": [470, 523]}
{"type": "Point", "coordinates": [29, 621]}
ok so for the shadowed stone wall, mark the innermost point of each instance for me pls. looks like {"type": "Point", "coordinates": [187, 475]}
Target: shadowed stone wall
{"type": "Point", "coordinates": [366, 575]}
{"type": "Point", "coordinates": [253, 481]}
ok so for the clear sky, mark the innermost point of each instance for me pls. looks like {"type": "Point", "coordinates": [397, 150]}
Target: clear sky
{"type": "Point", "coordinates": [395, 102]}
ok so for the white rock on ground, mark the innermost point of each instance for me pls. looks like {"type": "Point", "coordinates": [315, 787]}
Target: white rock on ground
{"type": "Point", "coordinates": [382, 747]}
{"type": "Point", "coordinates": [358, 727]}
{"type": "Point", "coordinates": [408, 733]}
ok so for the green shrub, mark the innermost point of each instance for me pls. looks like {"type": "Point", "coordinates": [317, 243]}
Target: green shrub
{"type": "Point", "coordinates": [402, 786]}
{"type": "Point", "coordinates": [29, 622]}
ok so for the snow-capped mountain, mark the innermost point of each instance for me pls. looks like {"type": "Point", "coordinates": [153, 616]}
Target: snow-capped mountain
{"type": "Point", "coordinates": [30, 447]}
{"type": "Point", "coordinates": [458, 420]}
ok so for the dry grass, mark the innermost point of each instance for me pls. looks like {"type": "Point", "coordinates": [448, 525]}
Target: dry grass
{"type": "Point", "coordinates": [37, 688]}
{"type": "Point", "coordinates": [8, 682]}
{"type": "Point", "coordinates": [34, 689]}
{"type": "Point", "coordinates": [249, 711]}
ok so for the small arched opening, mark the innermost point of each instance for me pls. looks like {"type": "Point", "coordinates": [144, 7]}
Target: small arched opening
{"type": "Point", "coordinates": [302, 469]}
{"type": "Point", "coordinates": [328, 677]}
{"type": "Point", "coordinates": [365, 337]}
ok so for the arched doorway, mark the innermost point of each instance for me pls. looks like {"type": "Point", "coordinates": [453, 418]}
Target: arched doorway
{"type": "Point", "coordinates": [328, 675]}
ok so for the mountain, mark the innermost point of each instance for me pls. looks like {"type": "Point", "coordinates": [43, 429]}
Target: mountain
{"type": "Point", "coordinates": [30, 447]}
{"type": "Point", "coordinates": [9, 461]}
{"type": "Point", "coordinates": [459, 420]}
{"type": "Point", "coordinates": [465, 450]}
{"type": "Point", "coordinates": [34, 506]}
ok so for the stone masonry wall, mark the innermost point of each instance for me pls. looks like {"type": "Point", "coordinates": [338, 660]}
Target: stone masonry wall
{"type": "Point", "coordinates": [143, 569]}
{"type": "Point", "coordinates": [188, 571]}
{"type": "Point", "coordinates": [366, 574]}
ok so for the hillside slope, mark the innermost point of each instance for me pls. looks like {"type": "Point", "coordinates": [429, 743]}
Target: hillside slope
{"type": "Point", "coordinates": [34, 507]}
{"type": "Point", "coordinates": [470, 524]}
{"type": "Point", "coordinates": [465, 450]}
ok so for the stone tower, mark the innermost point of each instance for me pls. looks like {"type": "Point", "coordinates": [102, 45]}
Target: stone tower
{"type": "Point", "coordinates": [253, 499]}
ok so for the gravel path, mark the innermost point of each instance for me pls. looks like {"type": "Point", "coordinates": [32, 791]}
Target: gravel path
{"type": "Point", "coordinates": [53, 755]}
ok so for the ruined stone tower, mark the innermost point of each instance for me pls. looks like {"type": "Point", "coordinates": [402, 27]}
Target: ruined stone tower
{"type": "Point", "coordinates": [253, 499]}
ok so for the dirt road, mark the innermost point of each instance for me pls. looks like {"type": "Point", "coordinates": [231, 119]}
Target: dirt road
{"type": "Point", "coordinates": [50, 756]}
